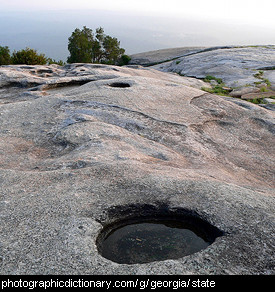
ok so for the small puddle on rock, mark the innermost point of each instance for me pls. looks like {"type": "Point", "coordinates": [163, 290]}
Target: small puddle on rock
{"type": "Point", "coordinates": [150, 241]}
{"type": "Point", "coordinates": [119, 84]}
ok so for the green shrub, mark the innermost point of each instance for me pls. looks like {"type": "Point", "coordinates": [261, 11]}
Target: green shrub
{"type": "Point", "coordinates": [208, 78]}
{"type": "Point", "coordinates": [259, 75]}
{"type": "Point", "coordinates": [263, 89]}
{"type": "Point", "coordinates": [52, 61]}
{"type": "Point", "coordinates": [218, 89]}
{"type": "Point", "coordinates": [124, 60]}
{"type": "Point", "coordinates": [5, 57]}
{"type": "Point", "coordinates": [257, 100]}
{"type": "Point", "coordinates": [267, 82]}
{"type": "Point", "coordinates": [28, 57]}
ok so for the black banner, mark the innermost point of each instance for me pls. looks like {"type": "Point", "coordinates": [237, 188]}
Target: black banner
{"type": "Point", "coordinates": [138, 283]}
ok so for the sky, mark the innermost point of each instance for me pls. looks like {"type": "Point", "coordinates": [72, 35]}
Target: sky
{"type": "Point", "coordinates": [140, 25]}
{"type": "Point", "coordinates": [247, 11]}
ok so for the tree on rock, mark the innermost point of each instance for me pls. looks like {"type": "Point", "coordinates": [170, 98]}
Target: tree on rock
{"type": "Point", "coordinates": [28, 57]}
{"type": "Point", "coordinates": [86, 47]}
{"type": "Point", "coordinates": [5, 57]}
{"type": "Point", "coordinates": [80, 46]}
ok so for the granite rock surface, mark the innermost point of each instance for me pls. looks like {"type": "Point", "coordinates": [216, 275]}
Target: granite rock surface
{"type": "Point", "coordinates": [238, 67]}
{"type": "Point", "coordinates": [82, 142]}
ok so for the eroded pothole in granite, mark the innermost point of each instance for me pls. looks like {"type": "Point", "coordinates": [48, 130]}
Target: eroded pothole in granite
{"type": "Point", "coordinates": [120, 85]}
{"type": "Point", "coordinates": [155, 236]}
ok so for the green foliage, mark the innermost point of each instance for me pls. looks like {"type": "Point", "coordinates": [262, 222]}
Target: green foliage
{"type": "Point", "coordinates": [258, 82]}
{"type": "Point", "coordinates": [80, 46]}
{"type": "Point", "coordinates": [208, 78]}
{"type": "Point", "coordinates": [259, 75]}
{"type": "Point", "coordinates": [257, 100]}
{"type": "Point", "coordinates": [52, 61]}
{"type": "Point", "coordinates": [85, 47]}
{"type": "Point", "coordinates": [260, 100]}
{"type": "Point", "coordinates": [112, 50]}
{"type": "Point", "coordinates": [124, 60]}
{"type": "Point", "coordinates": [28, 57]}
{"type": "Point", "coordinates": [218, 89]}
{"type": "Point", "coordinates": [267, 82]}
{"type": "Point", "coordinates": [5, 57]}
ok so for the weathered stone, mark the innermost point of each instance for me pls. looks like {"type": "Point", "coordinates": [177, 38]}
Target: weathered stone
{"type": "Point", "coordinates": [129, 139]}
{"type": "Point", "coordinates": [213, 82]}
{"type": "Point", "coordinates": [258, 95]}
{"type": "Point", "coordinates": [269, 100]}
{"type": "Point", "coordinates": [244, 90]}
{"type": "Point", "coordinates": [236, 66]}
{"type": "Point", "coordinates": [270, 75]}
{"type": "Point", "coordinates": [152, 57]}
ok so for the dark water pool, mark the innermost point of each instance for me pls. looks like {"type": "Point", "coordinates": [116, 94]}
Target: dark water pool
{"type": "Point", "coordinates": [151, 241]}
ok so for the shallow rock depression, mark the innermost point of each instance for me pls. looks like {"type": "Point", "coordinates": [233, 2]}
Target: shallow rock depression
{"type": "Point", "coordinates": [86, 148]}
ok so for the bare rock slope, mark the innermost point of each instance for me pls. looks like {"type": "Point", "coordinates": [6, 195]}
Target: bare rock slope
{"type": "Point", "coordinates": [235, 66]}
{"type": "Point", "coordinates": [81, 141]}
{"type": "Point", "coordinates": [160, 56]}
{"type": "Point", "coordinates": [244, 69]}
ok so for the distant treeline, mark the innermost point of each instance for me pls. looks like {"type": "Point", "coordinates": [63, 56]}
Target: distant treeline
{"type": "Point", "coordinates": [25, 56]}
{"type": "Point", "coordinates": [83, 45]}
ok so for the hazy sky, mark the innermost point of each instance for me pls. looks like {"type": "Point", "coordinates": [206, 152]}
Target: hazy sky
{"type": "Point", "coordinates": [140, 25]}
{"type": "Point", "coordinates": [246, 10]}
